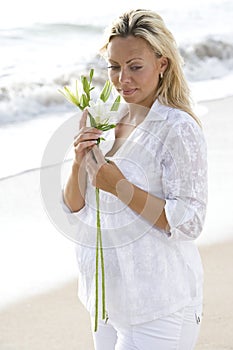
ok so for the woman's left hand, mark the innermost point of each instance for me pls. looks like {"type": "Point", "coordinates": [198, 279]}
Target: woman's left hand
{"type": "Point", "coordinates": [103, 175]}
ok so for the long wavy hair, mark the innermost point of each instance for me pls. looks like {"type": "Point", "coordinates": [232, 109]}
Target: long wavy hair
{"type": "Point", "coordinates": [173, 89]}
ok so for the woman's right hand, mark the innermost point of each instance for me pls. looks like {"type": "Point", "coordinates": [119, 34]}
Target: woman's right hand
{"type": "Point", "coordinates": [85, 139]}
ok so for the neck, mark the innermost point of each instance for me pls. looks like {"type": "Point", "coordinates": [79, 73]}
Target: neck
{"type": "Point", "coordinates": [137, 113]}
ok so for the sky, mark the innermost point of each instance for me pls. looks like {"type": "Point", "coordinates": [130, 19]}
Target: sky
{"type": "Point", "coordinates": [25, 12]}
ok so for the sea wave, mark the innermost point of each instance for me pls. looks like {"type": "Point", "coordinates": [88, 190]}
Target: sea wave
{"type": "Point", "coordinates": [59, 28]}
{"type": "Point", "coordinates": [209, 59]}
{"type": "Point", "coordinates": [23, 98]}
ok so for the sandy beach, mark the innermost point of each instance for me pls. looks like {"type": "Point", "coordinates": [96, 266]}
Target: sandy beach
{"type": "Point", "coordinates": [53, 318]}
{"type": "Point", "coordinates": [57, 321]}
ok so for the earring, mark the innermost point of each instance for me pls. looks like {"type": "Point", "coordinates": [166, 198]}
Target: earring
{"type": "Point", "coordinates": [161, 75]}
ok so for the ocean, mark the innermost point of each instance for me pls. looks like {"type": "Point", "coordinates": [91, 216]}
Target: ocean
{"type": "Point", "coordinates": [41, 54]}
{"type": "Point", "coordinates": [45, 46]}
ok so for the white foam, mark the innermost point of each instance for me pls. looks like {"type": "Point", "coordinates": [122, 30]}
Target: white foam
{"type": "Point", "coordinates": [212, 89]}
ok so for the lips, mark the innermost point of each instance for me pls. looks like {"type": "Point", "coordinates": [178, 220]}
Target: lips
{"type": "Point", "coordinates": [128, 92]}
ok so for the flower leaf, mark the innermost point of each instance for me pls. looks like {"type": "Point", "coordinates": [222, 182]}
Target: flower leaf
{"type": "Point", "coordinates": [105, 93]}
{"type": "Point", "coordinates": [92, 120]}
{"type": "Point", "coordinates": [84, 102]}
{"type": "Point", "coordinates": [105, 127]}
{"type": "Point", "coordinates": [76, 90]}
{"type": "Point", "coordinates": [116, 104]}
{"type": "Point", "coordinates": [69, 96]}
{"type": "Point", "coordinates": [91, 76]}
{"type": "Point", "coordinates": [86, 87]}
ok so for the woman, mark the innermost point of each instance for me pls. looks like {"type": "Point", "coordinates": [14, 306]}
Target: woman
{"type": "Point", "coordinates": [156, 186]}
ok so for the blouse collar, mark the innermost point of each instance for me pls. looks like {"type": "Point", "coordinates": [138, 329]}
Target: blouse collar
{"type": "Point", "coordinates": [157, 112]}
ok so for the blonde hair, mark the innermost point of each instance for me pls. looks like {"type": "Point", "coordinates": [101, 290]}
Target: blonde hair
{"type": "Point", "coordinates": [173, 89]}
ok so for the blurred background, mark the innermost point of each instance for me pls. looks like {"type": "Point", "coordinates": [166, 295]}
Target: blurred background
{"type": "Point", "coordinates": [45, 45]}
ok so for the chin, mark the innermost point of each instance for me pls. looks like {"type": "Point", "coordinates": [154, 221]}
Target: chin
{"type": "Point", "coordinates": [130, 99]}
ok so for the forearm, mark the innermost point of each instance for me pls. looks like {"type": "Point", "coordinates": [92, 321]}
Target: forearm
{"type": "Point", "coordinates": [75, 188]}
{"type": "Point", "coordinates": [148, 206]}
{"type": "Point", "coordinates": [109, 178]}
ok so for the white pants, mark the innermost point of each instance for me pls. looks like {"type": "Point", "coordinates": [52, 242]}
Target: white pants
{"type": "Point", "coordinates": [178, 331]}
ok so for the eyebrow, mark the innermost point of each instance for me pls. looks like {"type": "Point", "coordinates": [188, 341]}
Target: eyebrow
{"type": "Point", "coordinates": [132, 59]}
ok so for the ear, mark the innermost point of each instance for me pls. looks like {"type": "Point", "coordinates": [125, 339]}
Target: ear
{"type": "Point", "coordinates": [163, 64]}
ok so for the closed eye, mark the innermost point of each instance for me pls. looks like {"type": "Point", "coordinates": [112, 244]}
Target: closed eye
{"type": "Point", "coordinates": [132, 68]}
{"type": "Point", "coordinates": [114, 67]}
{"type": "Point", "coordinates": [135, 67]}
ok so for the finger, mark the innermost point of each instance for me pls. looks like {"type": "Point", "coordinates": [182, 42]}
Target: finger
{"type": "Point", "coordinates": [86, 137]}
{"type": "Point", "coordinates": [86, 129]}
{"type": "Point", "coordinates": [83, 120]}
{"type": "Point", "coordinates": [80, 147]}
{"type": "Point", "coordinates": [98, 155]}
{"type": "Point", "coordinates": [87, 133]}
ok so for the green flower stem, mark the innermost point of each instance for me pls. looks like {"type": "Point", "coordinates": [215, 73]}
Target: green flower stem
{"type": "Point", "coordinates": [99, 251]}
{"type": "Point", "coordinates": [102, 265]}
{"type": "Point", "coordinates": [96, 278]}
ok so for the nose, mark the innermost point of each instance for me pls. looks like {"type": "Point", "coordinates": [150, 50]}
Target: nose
{"type": "Point", "coordinates": [124, 76]}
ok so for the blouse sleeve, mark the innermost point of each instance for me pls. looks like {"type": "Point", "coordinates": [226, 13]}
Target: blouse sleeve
{"type": "Point", "coordinates": [184, 169]}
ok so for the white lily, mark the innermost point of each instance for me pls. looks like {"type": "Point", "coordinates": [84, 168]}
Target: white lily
{"type": "Point", "coordinates": [102, 113]}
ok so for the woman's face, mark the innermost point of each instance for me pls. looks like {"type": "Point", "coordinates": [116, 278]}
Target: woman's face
{"type": "Point", "coordinates": [134, 69]}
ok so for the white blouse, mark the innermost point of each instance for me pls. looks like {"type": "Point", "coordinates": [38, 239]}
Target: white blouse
{"type": "Point", "coordinates": [148, 272]}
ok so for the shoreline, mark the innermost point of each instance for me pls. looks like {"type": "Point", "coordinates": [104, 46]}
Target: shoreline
{"type": "Point", "coordinates": [56, 320]}
{"type": "Point", "coordinates": [53, 122]}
